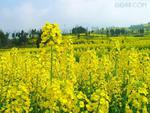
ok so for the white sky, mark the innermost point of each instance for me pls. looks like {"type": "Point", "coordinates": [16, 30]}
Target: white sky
{"type": "Point", "coordinates": [27, 14]}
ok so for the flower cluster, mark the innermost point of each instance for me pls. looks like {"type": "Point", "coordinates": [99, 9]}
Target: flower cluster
{"type": "Point", "coordinates": [51, 35]}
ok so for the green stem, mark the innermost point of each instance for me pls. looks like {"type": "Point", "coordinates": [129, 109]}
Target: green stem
{"type": "Point", "coordinates": [1, 85]}
{"type": "Point", "coordinates": [36, 109]}
{"type": "Point", "coordinates": [51, 75]}
{"type": "Point", "coordinates": [90, 84]}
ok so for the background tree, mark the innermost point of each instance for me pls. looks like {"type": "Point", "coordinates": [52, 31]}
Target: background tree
{"type": "Point", "coordinates": [22, 37]}
{"type": "Point", "coordinates": [39, 33]}
{"type": "Point", "coordinates": [112, 32]}
{"type": "Point", "coordinates": [3, 39]}
{"type": "Point", "coordinates": [141, 32]}
{"type": "Point", "coordinates": [78, 30]}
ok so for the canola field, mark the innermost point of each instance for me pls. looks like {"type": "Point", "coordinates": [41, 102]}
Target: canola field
{"type": "Point", "coordinates": [106, 76]}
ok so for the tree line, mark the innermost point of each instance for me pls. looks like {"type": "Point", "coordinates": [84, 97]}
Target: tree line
{"type": "Point", "coordinates": [20, 39]}
{"type": "Point", "coordinates": [110, 32]}
{"type": "Point", "coordinates": [33, 37]}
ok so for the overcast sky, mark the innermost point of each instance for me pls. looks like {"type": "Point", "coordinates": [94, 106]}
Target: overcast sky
{"type": "Point", "coordinates": [27, 14]}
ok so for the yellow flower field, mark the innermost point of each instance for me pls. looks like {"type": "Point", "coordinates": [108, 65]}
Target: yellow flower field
{"type": "Point", "coordinates": [62, 78]}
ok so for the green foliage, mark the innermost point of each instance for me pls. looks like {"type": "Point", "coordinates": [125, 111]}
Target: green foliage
{"type": "Point", "coordinates": [3, 39]}
{"type": "Point", "coordinates": [78, 30]}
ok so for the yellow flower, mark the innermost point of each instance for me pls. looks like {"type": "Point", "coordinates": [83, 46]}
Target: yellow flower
{"type": "Point", "coordinates": [81, 104]}
{"type": "Point", "coordinates": [89, 108]}
{"type": "Point", "coordinates": [80, 95]}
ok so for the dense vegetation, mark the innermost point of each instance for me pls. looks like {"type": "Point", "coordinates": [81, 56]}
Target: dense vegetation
{"type": "Point", "coordinates": [32, 38]}
{"type": "Point", "coordinates": [70, 74]}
